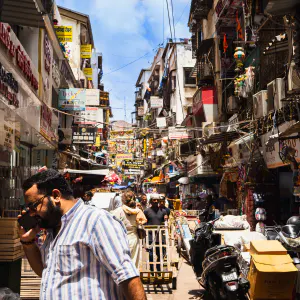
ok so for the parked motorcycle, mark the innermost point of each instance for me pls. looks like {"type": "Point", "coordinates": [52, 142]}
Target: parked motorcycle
{"type": "Point", "coordinates": [204, 239]}
{"type": "Point", "coordinates": [221, 274]}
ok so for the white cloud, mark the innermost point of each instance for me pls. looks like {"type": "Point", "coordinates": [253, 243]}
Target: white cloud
{"type": "Point", "coordinates": [124, 30]}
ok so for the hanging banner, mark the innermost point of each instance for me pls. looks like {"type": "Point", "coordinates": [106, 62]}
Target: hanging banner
{"type": "Point", "coordinates": [161, 122]}
{"type": "Point", "coordinates": [91, 116]}
{"type": "Point", "coordinates": [86, 51]}
{"type": "Point", "coordinates": [179, 133]}
{"type": "Point", "coordinates": [156, 102]}
{"type": "Point", "coordinates": [64, 33]}
{"type": "Point", "coordinates": [71, 99]}
{"type": "Point", "coordinates": [132, 167]}
{"type": "Point", "coordinates": [88, 72]}
{"type": "Point", "coordinates": [92, 97]}
{"type": "Point", "coordinates": [84, 135]}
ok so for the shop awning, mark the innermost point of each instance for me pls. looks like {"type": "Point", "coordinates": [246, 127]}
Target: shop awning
{"type": "Point", "coordinates": [102, 172]}
{"type": "Point", "coordinates": [204, 47]}
{"type": "Point", "coordinates": [25, 12]}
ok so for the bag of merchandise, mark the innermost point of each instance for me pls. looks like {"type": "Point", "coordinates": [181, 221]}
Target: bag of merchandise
{"type": "Point", "coordinates": [230, 222]}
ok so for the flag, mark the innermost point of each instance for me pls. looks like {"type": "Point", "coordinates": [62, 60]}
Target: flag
{"type": "Point", "coordinates": [239, 27]}
{"type": "Point", "coordinates": [225, 45]}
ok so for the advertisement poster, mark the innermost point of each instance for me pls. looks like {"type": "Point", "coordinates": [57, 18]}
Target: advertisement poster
{"type": "Point", "coordinates": [84, 135]}
{"type": "Point", "coordinates": [122, 156]}
{"type": "Point", "coordinates": [91, 116]}
{"type": "Point", "coordinates": [64, 33]}
{"type": "Point", "coordinates": [88, 72]}
{"type": "Point", "coordinates": [156, 102]}
{"type": "Point", "coordinates": [92, 97]}
{"type": "Point", "coordinates": [179, 133]}
{"type": "Point", "coordinates": [140, 111]}
{"type": "Point", "coordinates": [71, 99]}
{"type": "Point", "coordinates": [86, 51]}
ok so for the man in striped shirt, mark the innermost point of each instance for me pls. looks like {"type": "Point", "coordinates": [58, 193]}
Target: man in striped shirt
{"type": "Point", "coordinates": [85, 254]}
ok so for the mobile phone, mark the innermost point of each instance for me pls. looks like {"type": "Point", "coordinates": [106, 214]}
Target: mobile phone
{"type": "Point", "coordinates": [28, 222]}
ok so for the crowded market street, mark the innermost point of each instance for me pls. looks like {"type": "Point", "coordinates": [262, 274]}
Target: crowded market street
{"type": "Point", "coordinates": [149, 149]}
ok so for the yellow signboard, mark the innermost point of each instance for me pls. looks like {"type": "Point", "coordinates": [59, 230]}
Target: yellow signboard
{"type": "Point", "coordinates": [88, 72]}
{"type": "Point", "coordinates": [86, 51]}
{"type": "Point", "coordinates": [64, 33]}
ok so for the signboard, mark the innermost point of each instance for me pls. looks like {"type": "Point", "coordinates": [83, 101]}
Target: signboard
{"type": "Point", "coordinates": [17, 54]}
{"type": "Point", "coordinates": [156, 102]}
{"type": "Point", "coordinates": [90, 116]}
{"type": "Point", "coordinates": [92, 97]}
{"type": "Point", "coordinates": [140, 111]}
{"type": "Point", "coordinates": [161, 122]}
{"type": "Point", "coordinates": [132, 167]}
{"type": "Point", "coordinates": [86, 51]}
{"type": "Point", "coordinates": [122, 156]}
{"type": "Point", "coordinates": [88, 72]}
{"type": "Point", "coordinates": [179, 133]}
{"type": "Point", "coordinates": [71, 99]}
{"type": "Point", "coordinates": [84, 135]}
{"type": "Point", "coordinates": [64, 33]}
{"type": "Point", "coordinates": [271, 152]}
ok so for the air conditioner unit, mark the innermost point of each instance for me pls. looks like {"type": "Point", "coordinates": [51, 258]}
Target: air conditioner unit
{"type": "Point", "coordinates": [232, 104]}
{"type": "Point", "coordinates": [276, 93]}
{"type": "Point", "coordinates": [260, 104]}
{"type": "Point", "coordinates": [293, 79]}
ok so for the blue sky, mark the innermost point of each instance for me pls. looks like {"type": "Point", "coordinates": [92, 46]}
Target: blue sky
{"type": "Point", "coordinates": [123, 31]}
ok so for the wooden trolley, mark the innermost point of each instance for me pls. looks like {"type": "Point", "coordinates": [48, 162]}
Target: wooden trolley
{"type": "Point", "coordinates": [159, 260]}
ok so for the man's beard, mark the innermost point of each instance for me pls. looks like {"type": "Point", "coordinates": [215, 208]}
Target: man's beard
{"type": "Point", "coordinates": [52, 216]}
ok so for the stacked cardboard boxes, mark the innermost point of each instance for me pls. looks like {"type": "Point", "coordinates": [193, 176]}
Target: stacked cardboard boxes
{"type": "Point", "coordinates": [272, 274]}
{"type": "Point", "coordinates": [10, 246]}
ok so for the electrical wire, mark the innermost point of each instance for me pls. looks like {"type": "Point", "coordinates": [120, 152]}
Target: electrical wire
{"type": "Point", "coordinates": [132, 62]}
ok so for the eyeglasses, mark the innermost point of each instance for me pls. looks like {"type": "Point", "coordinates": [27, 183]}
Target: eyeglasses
{"type": "Point", "coordinates": [35, 204]}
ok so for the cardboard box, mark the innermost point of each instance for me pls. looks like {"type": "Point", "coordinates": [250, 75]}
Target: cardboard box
{"type": "Point", "coordinates": [265, 247]}
{"type": "Point", "coordinates": [272, 276]}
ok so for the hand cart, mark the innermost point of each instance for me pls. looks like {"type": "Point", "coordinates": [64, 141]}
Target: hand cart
{"type": "Point", "coordinates": [157, 264]}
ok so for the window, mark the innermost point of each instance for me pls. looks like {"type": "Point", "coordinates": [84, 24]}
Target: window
{"type": "Point", "coordinates": [187, 79]}
{"type": "Point", "coordinates": [173, 82]}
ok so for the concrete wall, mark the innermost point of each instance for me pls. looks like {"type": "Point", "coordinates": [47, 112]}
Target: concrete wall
{"type": "Point", "coordinates": [182, 97]}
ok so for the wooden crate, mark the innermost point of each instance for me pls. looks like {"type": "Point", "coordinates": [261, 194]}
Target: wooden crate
{"type": "Point", "coordinates": [30, 282]}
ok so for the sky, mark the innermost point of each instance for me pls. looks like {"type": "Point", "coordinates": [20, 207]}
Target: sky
{"type": "Point", "coordinates": [123, 31]}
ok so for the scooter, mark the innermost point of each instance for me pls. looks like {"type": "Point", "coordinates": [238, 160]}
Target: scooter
{"type": "Point", "coordinates": [221, 274]}
{"type": "Point", "coordinates": [289, 236]}
{"type": "Point", "coordinates": [204, 239]}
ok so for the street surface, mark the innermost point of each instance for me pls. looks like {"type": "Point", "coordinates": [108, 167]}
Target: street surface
{"type": "Point", "coordinates": [187, 286]}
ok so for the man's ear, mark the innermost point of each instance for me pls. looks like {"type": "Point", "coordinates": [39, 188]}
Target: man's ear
{"type": "Point", "coordinates": [56, 194]}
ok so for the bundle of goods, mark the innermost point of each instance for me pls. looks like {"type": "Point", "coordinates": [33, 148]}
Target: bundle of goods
{"type": "Point", "coordinates": [10, 246]}
{"type": "Point", "coordinates": [230, 222]}
{"type": "Point", "coordinates": [272, 274]}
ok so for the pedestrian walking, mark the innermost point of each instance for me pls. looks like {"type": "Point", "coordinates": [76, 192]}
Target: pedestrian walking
{"type": "Point", "coordinates": [144, 201]}
{"type": "Point", "coordinates": [85, 254]}
{"type": "Point", "coordinates": [87, 197]}
{"type": "Point", "coordinates": [131, 216]}
{"type": "Point", "coordinates": [162, 205]}
{"type": "Point", "coordinates": [155, 216]}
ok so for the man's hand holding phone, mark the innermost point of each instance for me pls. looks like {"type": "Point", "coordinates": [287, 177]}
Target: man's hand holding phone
{"type": "Point", "coordinates": [28, 228]}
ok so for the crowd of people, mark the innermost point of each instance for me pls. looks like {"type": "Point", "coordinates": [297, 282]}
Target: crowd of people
{"type": "Point", "coordinates": [86, 253]}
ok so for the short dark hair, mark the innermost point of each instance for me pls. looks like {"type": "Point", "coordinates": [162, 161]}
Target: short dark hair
{"type": "Point", "coordinates": [47, 181]}
{"type": "Point", "coordinates": [89, 194]}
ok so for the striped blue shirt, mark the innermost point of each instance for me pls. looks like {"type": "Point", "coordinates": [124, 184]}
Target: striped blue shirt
{"type": "Point", "coordinates": [88, 258]}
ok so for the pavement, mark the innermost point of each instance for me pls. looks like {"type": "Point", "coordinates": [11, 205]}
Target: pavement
{"type": "Point", "coordinates": [187, 286]}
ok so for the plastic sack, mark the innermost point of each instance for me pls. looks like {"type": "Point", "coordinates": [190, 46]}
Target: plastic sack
{"type": "Point", "coordinates": [230, 221]}
{"type": "Point", "coordinates": [252, 236]}
{"type": "Point", "coordinates": [8, 294]}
